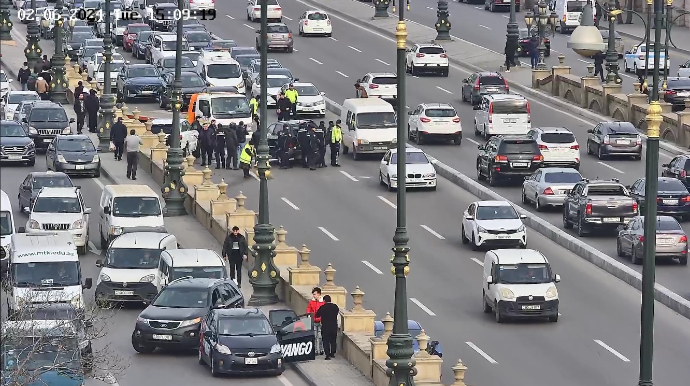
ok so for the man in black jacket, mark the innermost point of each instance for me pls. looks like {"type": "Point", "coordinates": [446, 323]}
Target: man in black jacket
{"type": "Point", "coordinates": [231, 146]}
{"type": "Point", "coordinates": [235, 252]}
{"type": "Point", "coordinates": [284, 107]}
{"type": "Point", "coordinates": [220, 145]}
{"type": "Point", "coordinates": [313, 155]}
{"type": "Point", "coordinates": [206, 137]}
{"type": "Point", "coordinates": [92, 106]}
{"type": "Point", "coordinates": [321, 142]}
{"type": "Point", "coordinates": [23, 76]}
{"type": "Point", "coordinates": [242, 134]}
{"type": "Point", "coordinates": [328, 313]}
{"type": "Point", "coordinates": [283, 147]}
{"type": "Point", "coordinates": [118, 133]}
{"type": "Point", "coordinates": [599, 58]}
{"type": "Point", "coordinates": [80, 109]}
{"type": "Point", "coordinates": [303, 141]}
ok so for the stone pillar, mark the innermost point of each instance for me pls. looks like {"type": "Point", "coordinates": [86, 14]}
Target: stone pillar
{"type": "Point", "coordinates": [539, 74]}
{"type": "Point", "coordinates": [666, 107]}
{"type": "Point", "coordinates": [242, 217]}
{"type": "Point", "coordinates": [284, 254]}
{"type": "Point", "coordinates": [608, 90]}
{"type": "Point", "coordinates": [428, 366]}
{"type": "Point", "coordinates": [148, 138]}
{"type": "Point", "coordinates": [380, 345]}
{"type": "Point", "coordinates": [560, 69]}
{"type": "Point", "coordinates": [207, 191]}
{"type": "Point", "coordinates": [587, 81]}
{"type": "Point", "coordinates": [358, 319]}
{"type": "Point", "coordinates": [223, 203]}
{"type": "Point", "coordinates": [304, 273]}
{"type": "Point", "coordinates": [459, 372]}
{"type": "Point", "coordinates": [160, 151]}
{"type": "Point", "coordinates": [636, 98]}
{"type": "Point", "coordinates": [337, 293]}
{"type": "Point", "coordinates": [191, 176]}
{"type": "Point", "coordinates": [136, 124]}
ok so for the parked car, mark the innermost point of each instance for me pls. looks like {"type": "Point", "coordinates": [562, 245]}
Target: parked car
{"type": "Point", "coordinates": [677, 91]}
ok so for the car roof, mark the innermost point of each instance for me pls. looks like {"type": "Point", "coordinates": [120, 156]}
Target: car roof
{"type": "Point", "coordinates": [558, 170]}
{"type": "Point", "coordinates": [519, 256]}
{"type": "Point", "coordinates": [194, 282]}
{"type": "Point", "coordinates": [59, 192]}
{"type": "Point", "coordinates": [411, 325]}
{"type": "Point", "coordinates": [277, 76]}
{"type": "Point", "coordinates": [22, 92]}
{"type": "Point", "coordinates": [168, 37]}
{"type": "Point", "coordinates": [437, 105]}
{"type": "Point", "coordinates": [139, 65]}
{"type": "Point", "coordinates": [505, 97]}
{"type": "Point", "coordinates": [143, 240]}
{"type": "Point", "coordinates": [299, 83]}
{"type": "Point", "coordinates": [488, 73]}
{"type": "Point", "coordinates": [493, 203]}
{"type": "Point", "coordinates": [383, 74]}
{"type": "Point", "coordinates": [251, 312]}
{"type": "Point", "coordinates": [408, 149]}
{"type": "Point", "coordinates": [620, 125]}
{"type": "Point", "coordinates": [276, 24]}
{"type": "Point", "coordinates": [422, 45]}
{"type": "Point", "coordinates": [48, 173]}
{"type": "Point", "coordinates": [552, 129]}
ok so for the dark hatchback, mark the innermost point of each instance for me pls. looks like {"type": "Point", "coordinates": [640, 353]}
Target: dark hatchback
{"type": "Point", "coordinates": [140, 43]}
{"type": "Point", "coordinates": [74, 155]}
{"type": "Point", "coordinates": [614, 139]}
{"type": "Point", "coordinates": [677, 92]}
{"type": "Point", "coordinates": [15, 144]}
{"type": "Point", "coordinates": [192, 84]}
{"type": "Point", "coordinates": [672, 196]}
{"type": "Point", "coordinates": [75, 43]}
{"type": "Point", "coordinates": [483, 83]}
{"type": "Point", "coordinates": [45, 121]}
{"type": "Point", "coordinates": [173, 318]}
{"type": "Point", "coordinates": [198, 40]}
{"type": "Point", "coordinates": [679, 168]}
{"type": "Point", "coordinates": [35, 181]}
{"type": "Point", "coordinates": [237, 51]}
{"type": "Point", "coordinates": [508, 157]}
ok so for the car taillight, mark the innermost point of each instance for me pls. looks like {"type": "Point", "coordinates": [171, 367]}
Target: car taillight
{"type": "Point", "coordinates": [491, 112]}
{"type": "Point", "coordinates": [420, 55]}
{"type": "Point", "coordinates": [641, 57]}
{"type": "Point", "coordinates": [529, 113]}
{"type": "Point", "coordinates": [685, 199]}
{"type": "Point", "coordinates": [500, 158]}
{"type": "Point", "coordinates": [476, 85]}
{"type": "Point", "coordinates": [538, 158]}
{"type": "Point", "coordinates": [328, 22]}
{"type": "Point", "coordinates": [670, 92]}
{"type": "Point", "coordinates": [641, 238]}
{"type": "Point", "coordinates": [277, 9]}
{"type": "Point", "coordinates": [372, 86]}
{"type": "Point", "coordinates": [607, 140]}
{"type": "Point", "coordinates": [180, 136]}
{"type": "Point", "coordinates": [306, 22]}
{"type": "Point", "coordinates": [425, 120]}
{"type": "Point", "coordinates": [543, 147]}
{"type": "Point", "coordinates": [290, 35]}
{"type": "Point", "coordinates": [444, 56]}
{"type": "Point", "coordinates": [257, 9]}
{"type": "Point", "coordinates": [505, 82]}
{"type": "Point", "coordinates": [575, 147]}
{"type": "Point", "coordinates": [639, 140]}
{"type": "Point", "coordinates": [456, 120]}
{"type": "Point", "coordinates": [683, 174]}
{"type": "Point", "coordinates": [588, 209]}
{"type": "Point", "coordinates": [634, 207]}
{"type": "Point", "coordinates": [683, 239]}
{"type": "Point", "coordinates": [548, 192]}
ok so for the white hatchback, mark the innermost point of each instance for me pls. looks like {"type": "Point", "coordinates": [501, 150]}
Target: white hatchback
{"type": "Point", "coordinates": [493, 224]}
{"type": "Point", "coordinates": [315, 23]}
{"type": "Point", "coordinates": [558, 145]}
{"type": "Point", "coordinates": [275, 11]}
{"type": "Point", "coordinates": [420, 172]}
{"type": "Point", "coordinates": [434, 121]}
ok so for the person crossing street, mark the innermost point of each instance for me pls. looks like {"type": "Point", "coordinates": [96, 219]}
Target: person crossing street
{"type": "Point", "coordinates": [336, 140]}
{"type": "Point", "coordinates": [292, 95]}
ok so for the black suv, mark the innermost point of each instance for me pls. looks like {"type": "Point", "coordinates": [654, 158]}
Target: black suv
{"type": "Point", "coordinates": [483, 83]}
{"type": "Point", "coordinates": [174, 316]}
{"type": "Point", "coordinates": [508, 156]}
{"type": "Point", "coordinates": [679, 168]}
{"type": "Point", "coordinates": [15, 144]}
{"type": "Point", "coordinates": [192, 84]}
{"type": "Point", "coordinates": [163, 17]}
{"type": "Point", "coordinates": [614, 139]}
{"type": "Point", "coordinates": [138, 81]}
{"type": "Point", "coordinates": [45, 121]}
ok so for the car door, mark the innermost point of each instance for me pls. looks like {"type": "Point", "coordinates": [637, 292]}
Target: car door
{"type": "Point", "coordinates": [532, 183]}
{"type": "Point", "coordinates": [571, 201]}
{"type": "Point", "coordinates": [481, 115]}
{"type": "Point", "coordinates": [383, 167]}
{"type": "Point", "coordinates": [208, 334]}
{"type": "Point", "coordinates": [24, 194]}
{"type": "Point", "coordinates": [50, 155]}
{"type": "Point", "coordinates": [296, 335]}
{"type": "Point", "coordinates": [468, 220]}
{"type": "Point", "coordinates": [668, 168]}
{"type": "Point", "coordinates": [625, 237]}
{"type": "Point", "coordinates": [235, 299]}
{"type": "Point", "coordinates": [300, 23]}
{"type": "Point", "coordinates": [592, 138]}
{"type": "Point", "coordinates": [414, 118]}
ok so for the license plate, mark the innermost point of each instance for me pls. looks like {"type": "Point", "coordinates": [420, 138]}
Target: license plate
{"type": "Point", "coordinates": [380, 148]}
{"type": "Point", "coordinates": [562, 192]}
{"type": "Point", "coordinates": [318, 29]}
{"type": "Point", "coordinates": [79, 167]}
{"type": "Point", "coordinates": [162, 337]}
{"type": "Point", "coordinates": [684, 94]}
{"type": "Point", "coordinates": [251, 361]}
{"type": "Point", "coordinates": [532, 307]}
{"type": "Point", "coordinates": [670, 202]}
{"type": "Point", "coordinates": [307, 108]}
{"type": "Point", "coordinates": [147, 92]}
{"type": "Point", "coordinates": [47, 140]}
{"type": "Point", "coordinates": [510, 121]}
{"type": "Point", "coordinates": [520, 164]}
{"type": "Point", "coordinates": [124, 293]}
{"type": "Point", "coordinates": [502, 236]}
{"type": "Point", "coordinates": [612, 219]}
{"type": "Point", "coordinates": [622, 142]}
{"type": "Point", "coordinates": [664, 241]}
{"type": "Point", "coordinates": [14, 157]}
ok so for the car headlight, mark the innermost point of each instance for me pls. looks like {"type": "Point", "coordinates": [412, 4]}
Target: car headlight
{"type": "Point", "coordinates": [521, 229]}
{"type": "Point", "coordinates": [480, 229]}
{"type": "Point", "coordinates": [116, 231]}
{"type": "Point", "coordinates": [551, 293]}
{"type": "Point", "coordinates": [67, 130]}
{"type": "Point", "coordinates": [76, 301]}
{"type": "Point", "coordinates": [240, 85]}
{"type": "Point", "coordinates": [430, 175]}
{"type": "Point", "coordinates": [223, 349]}
{"type": "Point", "coordinates": [78, 224]}
{"type": "Point", "coordinates": [104, 277]}
{"type": "Point", "coordinates": [142, 320]}
{"type": "Point", "coordinates": [32, 130]}
{"type": "Point", "coordinates": [394, 176]}
{"type": "Point", "coordinates": [275, 348]}
{"type": "Point", "coordinates": [147, 278]}
{"type": "Point", "coordinates": [507, 294]}
{"type": "Point", "coordinates": [191, 322]}
{"type": "Point", "coordinates": [33, 224]}
{"type": "Point", "coordinates": [61, 159]}
{"type": "Point", "coordinates": [30, 145]}
{"type": "Point", "coordinates": [395, 140]}
{"type": "Point", "coordinates": [96, 158]}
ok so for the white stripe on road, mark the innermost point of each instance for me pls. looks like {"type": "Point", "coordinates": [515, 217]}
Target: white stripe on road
{"type": "Point", "coordinates": [329, 234]}
{"type": "Point", "coordinates": [381, 61]}
{"type": "Point", "coordinates": [473, 141]}
{"type": "Point", "coordinates": [293, 206]}
{"type": "Point", "coordinates": [348, 175]}
{"type": "Point", "coordinates": [612, 351]}
{"type": "Point", "coordinates": [422, 306]}
{"type": "Point", "coordinates": [429, 8]}
{"type": "Point", "coordinates": [230, 17]}
{"type": "Point", "coordinates": [481, 352]}
{"type": "Point", "coordinates": [373, 268]}
{"type": "Point", "coordinates": [282, 378]}
{"type": "Point", "coordinates": [353, 48]}
{"type": "Point", "coordinates": [93, 248]}
{"type": "Point", "coordinates": [332, 38]}
{"type": "Point", "coordinates": [254, 176]}
{"type": "Point", "coordinates": [315, 61]}
{"type": "Point", "coordinates": [392, 205]}
{"type": "Point", "coordinates": [483, 26]}
{"type": "Point", "coordinates": [285, 17]}
{"type": "Point", "coordinates": [444, 90]}
{"type": "Point", "coordinates": [248, 26]}
{"type": "Point", "coordinates": [99, 183]}
{"type": "Point", "coordinates": [341, 74]}
{"type": "Point", "coordinates": [506, 16]}
{"type": "Point", "coordinates": [477, 261]}
{"type": "Point", "coordinates": [584, 61]}
{"type": "Point", "coordinates": [433, 232]}
{"type": "Point", "coordinates": [611, 167]}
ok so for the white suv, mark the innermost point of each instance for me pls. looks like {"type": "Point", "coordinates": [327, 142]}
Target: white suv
{"type": "Point", "coordinates": [493, 224]}
{"type": "Point", "coordinates": [382, 85]}
{"type": "Point", "coordinates": [558, 145]}
{"type": "Point", "coordinates": [434, 121]}
{"type": "Point", "coordinates": [164, 46]}
{"type": "Point", "coordinates": [61, 210]}
{"type": "Point", "coordinates": [426, 58]}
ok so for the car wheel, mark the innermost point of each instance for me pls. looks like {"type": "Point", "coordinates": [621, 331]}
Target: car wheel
{"type": "Point", "coordinates": [477, 133]}
{"type": "Point", "coordinates": [413, 71]}
{"type": "Point", "coordinates": [475, 246]}
{"type": "Point", "coordinates": [486, 133]}
{"type": "Point", "coordinates": [445, 73]}
{"type": "Point", "coordinates": [161, 102]}
{"type": "Point", "coordinates": [619, 249]}
{"type": "Point", "coordinates": [480, 176]}
{"type": "Point", "coordinates": [635, 68]}
{"type": "Point", "coordinates": [637, 157]}
{"type": "Point", "coordinates": [553, 318]}
{"type": "Point", "coordinates": [97, 173]}
{"type": "Point", "coordinates": [346, 149]}
{"type": "Point", "coordinates": [581, 231]}
{"type": "Point", "coordinates": [355, 157]}
{"type": "Point", "coordinates": [566, 223]}
{"type": "Point", "coordinates": [525, 200]}
{"type": "Point", "coordinates": [32, 162]}
{"type": "Point", "coordinates": [633, 257]}
{"type": "Point", "coordinates": [390, 188]}
{"type": "Point", "coordinates": [457, 140]}
{"type": "Point", "coordinates": [462, 97]}
{"type": "Point", "coordinates": [464, 238]}
{"type": "Point", "coordinates": [486, 306]}
{"type": "Point", "coordinates": [497, 315]}
{"type": "Point", "coordinates": [492, 8]}
{"type": "Point", "coordinates": [418, 137]}
{"type": "Point", "coordinates": [589, 148]}
{"type": "Point", "coordinates": [381, 182]}
{"type": "Point", "coordinates": [683, 261]}
{"type": "Point", "coordinates": [493, 180]}
{"type": "Point", "coordinates": [141, 348]}
{"type": "Point", "coordinates": [625, 66]}
{"type": "Point", "coordinates": [537, 205]}
{"type": "Point", "coordinates": [81, 250]}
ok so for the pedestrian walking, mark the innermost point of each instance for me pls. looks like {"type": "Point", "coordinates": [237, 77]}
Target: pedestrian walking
{"type": "Point", "coordinates": [534, 51]}
{"type": "Point", "coordinates": [510, 50]}
{"type": "Point", "coordinates": [80, 110]}
{"type": "Point", "coordinates": [235, 252]}
{"type": "Point", "coordinates": [328, 314]}
{"type": "Point", "coordinates": [206, 145]}
{"type": "Point", "coordinates": [599, 64]}
{"type": "Point", "coordinates": [132, 145]}
{"type": "Point", "coordinates": [254, 105]}
{"type": "Point", "coordinates": [79, 89]}
{"type": "Point", "coordinates": [118, 133]}
{"type": "Point", "coordinates": [231, 147]}
{"type": "Point", "coordinates": [598, 13]}
{"type": "Point", "coordinates": [292, 95]}
{"type": "Point", "coordinates": [220, 146]}
{"type": "Point", "coordinates": [246, 158]}
{"type": "Point", "coordinates": [92, 107]}
{"type": "Point", "coordinates": [312, 308]}
{"type": "Point", "coordinates": [284, 107]}
{"type": "Point", "coordinates": [42, 88]}
{"type": "Point", "coordinates": [336, 140]}
{"type": "Point", "coordinates": [242, 134]}
{"type": "Point", "coordinates": [23, 76]}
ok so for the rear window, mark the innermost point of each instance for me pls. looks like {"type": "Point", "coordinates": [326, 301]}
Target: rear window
{"type": "Point", "coordinates": [432, 50]}
{"type": "Point", "coordinates": [558, 137]}
{"type": "Point", "coordinates": [518, 147]}
{"type": "Point", "coordinates": [440, 113]}
{"type": "Point", "coordinates": [575, 6]}
{"type": "Point", "coordinates": [317, 16]}
{"type": "Point", "coordinates": [509, 107]}
{"type": "Point", "coordinates": [269, 2]}
{"type": "Point", "coordinates": [562, 178]}
{"type": "Point", "coordinates": [385, 80]}
{"type": "Point", "coordinates": [666, 224]}
{"type": "Point", "coordinates": [625, 129]}
{"type": "Point", "coordinates": [671, 84]}
{"type": "Point", "coordinates": [491, 81]}
{"type": "Point", "coordinates": [606, 190]}
{"type": "Point", "coordinates": [278, 29]}
{"type": "Point", "coordinates": [672, 186]}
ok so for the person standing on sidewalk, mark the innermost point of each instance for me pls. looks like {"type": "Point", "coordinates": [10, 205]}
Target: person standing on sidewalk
{"type": "Point", "coordinates": [132, 144]}
{"type": "Point", "coordinates": [206, 145]}
{"type": "Point", "coordinates": [80, 110]}
{"type": "Point", "coordinates": [118, 133]}
{"type": "Point", "coordinates": [599, 58]}
{"type": "Point", "coordinates": [23, 76]}
{"type": "Point", "coordinates": [92, 106]}
{"type": "Point", "coordinates": [510, 50]}
{"type": "Point", "coordinates": [312, 308]}
{"type": "Point", "coordinates": [235, 252]}
{"type": "Point", "coordinates": [328, 313]}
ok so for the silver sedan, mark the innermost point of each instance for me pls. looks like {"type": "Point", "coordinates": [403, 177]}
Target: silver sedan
{"type": "Point", "coordinates": [548, 187]}
{"type": "Point", "coordinates": [671, 240]}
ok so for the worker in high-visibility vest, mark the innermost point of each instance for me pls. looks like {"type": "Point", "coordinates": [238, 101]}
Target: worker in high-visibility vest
{"type": "Point", "coordinates": [246, 158]}
{"type": "Point", "coordinates": [292, 95]}
{"type": "Point", "coordinates": [254, 105]}
{"type": "Point", "coordinates": [336, 139]}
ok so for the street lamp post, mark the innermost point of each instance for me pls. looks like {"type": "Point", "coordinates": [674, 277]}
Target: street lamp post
{"type": "Point", "coordinates": [5, 23]}
{"type": "Point", "coordinates": [264, 274]}
{"type": "Point", "coordinates": [174, 189]}
{"type": "Point", "coordinates": [442, 22]}
{"type": "Point", "coordinates": [58, 89]}
{"type": "Point", "coordinates": [512, 29]}
{"type": "Point", "coordinates": [401, 363]}
{"type": "Point", "coordinates": [33, 37]}
{"type": "Point", "coordinates": [612, 76]}
{"type": "Point", "coordinates": [381, 8]}
{"type": "Point", "coordinates": [107, 101]}
{"type": "Point", "coordinates": [650, 8]}
{"type": "Point", "coordinates": [543, 20]}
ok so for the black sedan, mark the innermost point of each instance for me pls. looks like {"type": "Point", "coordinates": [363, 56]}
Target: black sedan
{"type": "Point", "coordinates": [35, 181]}
{"type": "Point", "coordinates": [672, 199]}
{"type": "Point", "coordinates": [167, 65]}
{"type": "Point", "coordinates": [198, 40]}
{"type": "Point", "coordinates": [141, 42]}
{"type": "Point", "coordinates": [192, 84]}
{"type": "Point", "coordinates": [676, 92]}
{"type": "Point", "coordinates": [75, 155]}
{"type": "Point", "coordinates": [75, 43]}
{"type": "Point", "coordinates": [523, 42]}
{"type": "Point", "coordinates": [15, 144]}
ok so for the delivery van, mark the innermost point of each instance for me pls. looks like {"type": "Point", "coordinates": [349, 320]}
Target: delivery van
{"type": "Point", "coordinates": [129, 208]}
{"type": "Point", "coordinates": [369, 126]}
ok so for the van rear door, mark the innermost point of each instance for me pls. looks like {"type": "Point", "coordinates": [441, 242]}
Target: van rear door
{"type": "Point", "coordinates": [510, 116]}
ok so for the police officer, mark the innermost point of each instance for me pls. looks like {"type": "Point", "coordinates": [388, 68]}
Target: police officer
{"type": "Point", "coordinates": [283, 148]}
{"type": "Point", "coordinates": [246, 158]}
{"type": "Point", "coordinates": [231, 146]}
{"type": "Point", "coordinates": [303, 141]}
{"type": "Point", "coordinates": [284, 107]}
{"type": "Point", "coordinates": [336, 138]}
{"type": "Point", "coordinates": [242, 133]}
{"type": "Point", "coordinates": [313, 155]}
{"type": "Point", "coordinates": [254, 105]}
{"type": "Point", "coordinates": [220, 147]}
{"type": "Point", "coordinates": [292, 95]}
{"type": "Point", "coordinates": [321, 139]}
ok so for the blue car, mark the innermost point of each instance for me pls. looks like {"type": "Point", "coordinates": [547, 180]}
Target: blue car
{"type": "Point", "coordinates": [415, 329]}
{"type": "Point", "coordinates": [138, 81]}
{"type": "Point", "coordinates": [141, 42]}
{"type": "Point", "coordinates": [673, 198]}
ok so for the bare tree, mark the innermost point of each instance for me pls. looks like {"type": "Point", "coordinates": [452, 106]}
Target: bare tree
{"type": "Point", "coordinates": [43, 342]}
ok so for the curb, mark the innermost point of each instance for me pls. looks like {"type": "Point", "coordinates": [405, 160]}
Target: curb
{"type": "Point", "coordinates": [562, 104]}
{"type": "Point", "coordinates": [297, 367]}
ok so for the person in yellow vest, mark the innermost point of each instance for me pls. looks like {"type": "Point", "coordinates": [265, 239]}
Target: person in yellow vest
{"type": "Point", "coordinates": [291, 94]}
{"type": "Point", "coordinates": [248, 153]}
{"type": "Point", "coordinates": [254, 105]}
{"type": "Point", "coordinates": [336, 139]}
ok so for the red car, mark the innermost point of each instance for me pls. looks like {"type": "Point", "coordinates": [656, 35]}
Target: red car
{"type": "Point", "coordinates": [131, 33]}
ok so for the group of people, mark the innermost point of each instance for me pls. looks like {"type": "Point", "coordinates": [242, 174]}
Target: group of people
{"type": "Point", "coordinates": [312, 141]}
{"type": "Point", "coordinates": [86, 105]}
{"type": "Point", "coordinates": [36, 79]}
{"type": "Point", "coordinates": [227, 144]}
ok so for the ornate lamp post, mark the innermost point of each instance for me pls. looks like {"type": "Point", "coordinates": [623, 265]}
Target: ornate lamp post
{"type": "Point", "coordinates": [107, 101]}
{"type": "Point", "coordinates": [543, 20]}
{"type": "Point", "coordinates": [263, 276]}
{"type": "Point", "coordinates": [512, 29]}
{"type": "Point", "coordinates": [401, 364]}
{"type": "Point", "coordinates": [5, 23]}
{"type": "Point", "coordinates": [58, 89]}
{"type": "Point", "coordinates": [381, 8]}
{"type": "Point", "coordinates": [611, 53]}
{"type": "Point", "coordinates": [442, 23]}
{"type": "Point", "coordinates": [174, 190]}
{"type": "Point", "coordinates": [586, 39]}
{"type": "Point", "coordinates": [33, 50]}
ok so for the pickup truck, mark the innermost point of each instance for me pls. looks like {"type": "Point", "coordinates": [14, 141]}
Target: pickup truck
{"type": "Point", "coordinates": [604, 205]}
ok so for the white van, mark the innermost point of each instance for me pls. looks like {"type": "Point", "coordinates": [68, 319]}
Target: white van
{"type": "Point", "coordinates": [518, 283]}
{"type": "Point", "coordinates": [369, 126]}
{"type": "Point", "coordinates": [130, 266]}
{"type": "Point", "coordinates": [569, 13]}
{"type": "Point", "coordinates": [196, 263]}
{"type": "Point", "coordinates": [129, 208]}
{"type": "Point", "coordinates": [44, 268]}
{"type": "Point", "coordinates": [220, 70]}
{"type": "Point", "coordinates": [6, 229]}
{"type": "Point", "coordinates": [499, 114]}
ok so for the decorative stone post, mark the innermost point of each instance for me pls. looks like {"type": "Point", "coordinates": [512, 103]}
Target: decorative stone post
{"type": "Point", "coordinates": [148, 138]}
{"type": "Point", "coordinates": [428, 366]}
{"type": "Point", "coordinates": [223, 203]}
{"type": "Point", "coordinates": [337, 293]}
{"type": "Point", "coordinates": [358, 319]}
{"type": "Point", "coordinates": [160, 151]}
{"type": "Point", "coordinates": [459, 371]}
{"type": "Point", "coordinates": [243, 218]}
{"type": "Point", "coordinates": [423, 344]}
{"type": "Point", "coordinates": [192, 176]}
{"type": "Point", "coordinates": [387, 326]}
{"type": "Point", "coordinates": [304, 274]}
{"type": "Point", "coordinates": [380, 345]}
{"type": "Point", "coordinates": [285, 255]}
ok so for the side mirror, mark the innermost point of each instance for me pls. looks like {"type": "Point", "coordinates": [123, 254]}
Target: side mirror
{"type": "Point", "coordinates": [358, 82]}
{"type": "Point", "coordinates": [527, 178]}
{"type": "Point", "coordinates": [26, 210]}
{"type": "Point", "coordinates": [476, 107]}
{"type": "Point", "coordinates": [208, 334]}
{"type": "Point", "coordinates": [22, 229]}
{"type": "Point", "coordinates": [664, 165]}
{"type": "Point", "coordinates": [523, 216]}
{"type": "Point", "coordinates": [296, 80]}
{"type": "Point", "coordinates": [465, 80]}
{"type": "Point", "coordinates": [469, 218]}
{"type": "Point", "coordinates": [99, 263]}
{"type": "Point", "coordinates": [106, 210]}
{"type": "Point", "coordinates": [208, 83]}
{"type": "Point", "coordinates": [556, 278]}
{"type": "Point", "coordinates": [87, 211]}
{"type": "Point", "coordinates": [590, 131]}
{"type": "Point", "coordinates": [88, 283]}
{"type": "Point", "coordinates": [322, 93]}
{"type": "Point", "coordinates": [489, 279]}
{"type": "Point", "coordinates": [24, 120]}
{"type": "Point", "coordinates": [71, 120]}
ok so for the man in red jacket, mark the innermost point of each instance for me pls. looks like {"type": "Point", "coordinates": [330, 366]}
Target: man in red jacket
{"type": "Point", "coordinates": [314, 304]}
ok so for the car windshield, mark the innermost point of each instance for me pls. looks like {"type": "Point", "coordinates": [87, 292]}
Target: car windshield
{"type": "Point", "coordinates": [224, 44]}
{"type": "Point", "coordinates": [440, 113]}
{"type": "Point", "coordinates": [46, 274]}
{"type": "Point", "coordinates": [557, 137]}
{"type": "Point", "coordinates": [12, 130]}
{"type": "Point", "coordinates": [92, 4]}
{"type": "Point", "coordinates": [524, 33]}
{"type": "Point", "coordinates": [83, 29]}
{"type": "Point", "coordinates": [193, 56]}
{"type": "Point", "coordinates": [390, 80]}
{"type": "Point", "coordinates": [136, 29]}
{"type": "Point", "coordinates": [132, 258]}
{"type": "Point", "coordinates": [223, 71]}
{"type": "Point", "coordinates": [307, 90]}
{"type": "Point", "coordinates": [114, 67]}
{"type": "Point", "coordinates": [198, 37]}
{"type": "Point", "coordinates": [57, 205]}
{"type": "Point", "coordinates": [80, 37]}
{"type": "Point", "coordinates": [142, 72]}
{"type": "Point", "coordinates": [562, 177]}
{"type": "Point", "coordinates": [48, 115]}
{"type": "Point", "coordinates": [276, 81]}
{"type": "Point", "coordinates": [523, 274]}
{"type": "Point", "coordinates": [42, 354]}
{"type": "Point", "coordinates": [192, 80]}
{"type": "Point", "coordinates": [677, 83]}
{"type": "Point", "coordinates": [82, 145]}
{"type": "Point", "coordinates": [606, 190]}
{"type": "Point", "coordinates": [518, 147]}
{"type": "Point", "coordinates": [136, 206]}
{"type": "Point", "coordinates": [46, 312]}
{"type": "Point", "coordinates": [223, 106]}
{"type": "Point", "coordinates": [198, 272]}
{"type": "Point", "coordinates": [277, 29]}
{"type": "Point", "coordinates": [17, 98]}
{"type": "Point", "coordinates": [184, 63]}
{"type": "Point", "coordinates": [89, 51]}
{"type": "Point", "coordinates": [6, 223]}
{"type": "Point", "coordinates": [269, 2]}
{"type": "Point", "coordinates": [93, 43]}
{"type": "Point", "coordinates": [498, 212]}
{"type": "Point", "coordinates": [279, 71]}
{"type": "Point", "coordinates": [415, 157]}
{"type": "Point", "coordinates": [144, 35]}
{"type": "Point", "coordinates": [171, 45]}
{"type": "Point", "coordinates": [244, 326]}
{"type": "Point", "coordinates": [379, 120]}
{"type": "Point", "coordinates": [49, 182]}
{"type": "Point", "coordinates": [491, 81]}
{"type": "Point", "coordinates": [180, 297]}
{"type": "Point", "coordinates": [671, 185]}
{"type": "Point", "coordinates": [121, 23]}
{"type": "Point", "coordinates": [665, 224]}
{"type": "Point", "coordinates": [245, 60]}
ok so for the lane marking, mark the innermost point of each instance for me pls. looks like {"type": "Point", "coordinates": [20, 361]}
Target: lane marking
{"type": "Point", "coordinates": [422, 306]}
{"type": "Point", "coordinates": [340, 73]}
{"type": "Point", "coordinates": [478, 7]}
{"type": "Point", "coordinates": [429, 8]}
{"type": "Point", "coordinates": [477, 261]}
{"type": "Point", "coordinates": [285, 17]}
{"type": "Point", "coordinates": [353, 48]}
{"type": "Point", "coordinates": [254, 176]}
{"type": "Point", "coordinates": [348, 175]}
{"type": "Point", "coordinates": [392, 205]}
{"type": "Point", "coordinates": [506, 16]}
{"type": "Point", "coordinates": [99, 183]}
{"type": "Point", "coordinates": [583, 61]}
{"type": "Point", "coordinates": [611, 167]}
{"type": "Point", "coordinates": [381, 61]}
{"type": "Point", "coordinates": [332, 38]}
{"type": "Point", "coordinates": [230, 17]}
{"type": "Point", "coordinates": [282, 378]}
{"type": "Point", "coordinates": [483, 26]}
{"type": "Point", "coordinates": [329, 234]}
{"type": "Point", "coordinates": [433, 232]}
{"type": "Point", "coordinates": [248, 26]}
{"type": "Point", "coordinates": [315, 61]}
{"type": "Point", "coordinates": [93, 248]}
{"type": "Point", "coordinates": [552, 50]}
{"type": "Point", "coordinates": [481, 352]}
{"type": "Point", "coordinates": [612, 351]}
{"type": "Point", "coordinates": [295, 49]}
{"type": "Point", "coordinates": [472, 140]}
{"type": "Point", "coordinates": [293, 206]}
{"type": "Point", "coordinates": [373, 268]}
{"type": "Point", "coordinates": [444, 90]}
